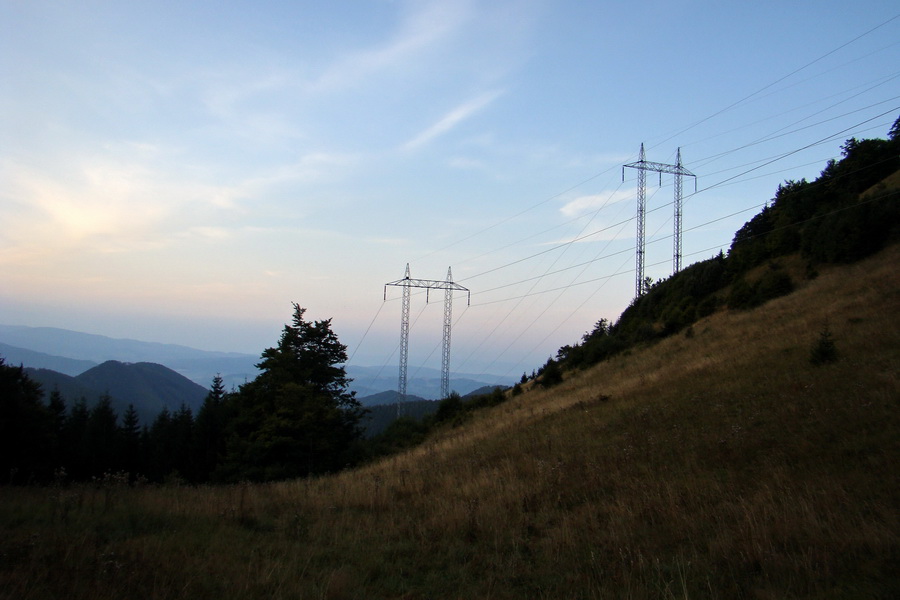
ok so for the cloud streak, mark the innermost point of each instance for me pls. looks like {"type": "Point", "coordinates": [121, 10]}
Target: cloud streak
{"type": "Point", "coordinates": [452, 119]}
{"type": "Point", "coordinates": [421, 28]}
{"type": "Point", "coordinates": [591, 202]}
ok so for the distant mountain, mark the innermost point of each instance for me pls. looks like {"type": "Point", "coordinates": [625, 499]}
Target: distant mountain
{"type": "Point", "coordinates": [40, 360]}
{"type": "Point", "coordinates": [423, 382]}
{"type": "Point", "coordinates": [70, 388]}
{"type": "Point", "coordinates": [73, 353]}
{"type": "Point", "coordinates": [88, 350]}
{"type": "Point", "coordinates": [380, 416]}
{"type": "Point", "coordinates": [149, 387]}
{"type": "Point", "coordinates": [484, 390]}
{"type": "Point", "coordinates": [389, 397]}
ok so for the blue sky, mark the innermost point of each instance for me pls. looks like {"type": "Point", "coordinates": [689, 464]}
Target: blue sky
{"type": "Point", "coordinates": [182, 171]}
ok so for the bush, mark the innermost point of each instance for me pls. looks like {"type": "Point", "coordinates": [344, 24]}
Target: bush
{"type": "Point", "coordinates": [742, 295]}
{"type": "Point", "coordinates": [448, 408]}
{"type": "Point", "coordinates": [551, 374]}
{"type": "Point", "coordinates": [707, 306]}
{"type": "Point", "coordinates": [773, 284]}
{"type": "Point", "coordinates": [823, 351]}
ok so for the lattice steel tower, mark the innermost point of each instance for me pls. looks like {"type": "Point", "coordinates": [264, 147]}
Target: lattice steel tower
{"type": "Point", "coordinates": [642, 166]}
{"type": "Point", "coordinates": [429, 284]}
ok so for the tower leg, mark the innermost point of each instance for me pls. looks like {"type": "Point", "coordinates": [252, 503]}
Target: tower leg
{"type": "Point", "coordinates": [445, 353]}
{"type": "Point", "coordinates": [641, 210]}
{"type": "Point", "coordinates": [676, 254]}
{"type": "Point", "coordinates": [404, 343]}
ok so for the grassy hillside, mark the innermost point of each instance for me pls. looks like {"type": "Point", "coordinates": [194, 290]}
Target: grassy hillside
{"type": "Point", "coordinates": [720, 462]}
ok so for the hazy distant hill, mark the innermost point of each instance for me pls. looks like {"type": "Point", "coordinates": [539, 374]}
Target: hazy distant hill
{"type": "Point", "coordinates": [423, 382]}
{"type": "Point", "coordinates": [388, 397]}
{"type": "Point", "coordinates": [380, 416]}
{"type": "Point", "coordinates": [70, 388]}
{"type": "Point", "coordinates": [200, 366]}
{"type": "Point", "coordinates": [484, 390]}
{"type": "Point", "coordinates": [40, 360]}
{"type": "Point", "coordinates": [73, 352]}
{"type": "Point", "coordinates": [150, 387]}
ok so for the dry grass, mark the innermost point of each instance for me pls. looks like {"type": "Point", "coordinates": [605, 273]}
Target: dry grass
{"type": "Point", "coordinates": [721, 465]}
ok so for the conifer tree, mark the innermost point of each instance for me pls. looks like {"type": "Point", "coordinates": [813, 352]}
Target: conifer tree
{"type": "Point", "coordinates": [102, 438]}
{"type": "Point", "coordinates": [209, 434]}
{"type": "Point", "coordinates": [26, 428]}
{"type": "Point", "coordinates": [298, 416]}
{"type": "Point", "coordinates": [130, 437]}
{"type": "Point", "coordinates": [74, 439]}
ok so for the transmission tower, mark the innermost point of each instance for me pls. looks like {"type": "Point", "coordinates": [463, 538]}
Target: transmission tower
{"type": "Point", "coordinates": [429, 284]}
{"type": "Point", "coordinates": [642, 166]}
{"type": "Point", "coordinates": [445, 345]}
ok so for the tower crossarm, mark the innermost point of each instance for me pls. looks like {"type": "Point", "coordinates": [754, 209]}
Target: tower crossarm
{"type": "Point", "coordinates": [428, 284]}
{"type": "Point", "coordinates": [647, 165]}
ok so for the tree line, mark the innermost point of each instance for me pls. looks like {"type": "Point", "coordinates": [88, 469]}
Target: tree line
{"type": "Point", "coordinates": [297, 418]}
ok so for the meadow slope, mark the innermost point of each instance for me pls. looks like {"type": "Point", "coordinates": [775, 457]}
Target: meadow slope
{"type": "Point", "coordinates": [718, 463]}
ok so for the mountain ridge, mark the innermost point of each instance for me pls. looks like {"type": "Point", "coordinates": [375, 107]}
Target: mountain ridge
{"type": "Point", "coordinates": [73, 352]}
{"type": "Point", "coordinates": [200, 366]}
{"type": "Point", "coordinates": [42, 360]}
{"type": "Point", "coordinates": [149, 387]}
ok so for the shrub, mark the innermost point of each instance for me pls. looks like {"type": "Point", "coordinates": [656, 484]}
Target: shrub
{"type": "Point", "coordinates": [823, 351]}
{"type": "Point", "coordinates": [707, 306]}
{"type": "Point", "coordinates": [773, 284]}
{"type": "Point", "coordinates": [448, 408]}
{"type": "Point", "coordinates": [742, 295]}
{"type": "Point", "coordinates": [551, 375]}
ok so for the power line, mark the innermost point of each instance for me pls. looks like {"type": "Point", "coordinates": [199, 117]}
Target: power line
{"type": "Point", "coordinates": [780, 134]}
{"type": "Point", "coordinates": [795, 151]}
{"type": "Point", "coordinates": [779, 80]}
{"type": "Point", "coordinates": [518, 214]}
{"type": "Point", "coordinates": [757, 165]}
{"type": "Point", "coordinates": [652, 241]}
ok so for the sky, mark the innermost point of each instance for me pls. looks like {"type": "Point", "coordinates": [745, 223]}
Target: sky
{"type": "Point", "coordinates": [181, 172]}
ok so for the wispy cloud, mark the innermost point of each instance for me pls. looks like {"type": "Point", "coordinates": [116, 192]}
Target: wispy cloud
{"type": "Point", "coordinates": [462, 162]}
{"type": "Point", "coordinates": [592, 202]}
{"type": "Point", "coordinates": [425, 25]}
{"type": "Point", "coordinates": [452, 119]}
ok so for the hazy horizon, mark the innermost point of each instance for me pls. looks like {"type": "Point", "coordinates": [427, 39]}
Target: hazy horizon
{"type": "Point", "coordinates": [180, 172]}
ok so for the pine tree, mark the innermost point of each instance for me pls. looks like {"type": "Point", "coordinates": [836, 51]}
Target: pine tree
{"type": "Point", "coordinates": [74, 440]}
{"type": "Point", "coordinates": [57, 409]}
{"type": "Point", "coordinates": [298, 416]}
{"type": "Point", "coordinates": [182, 440]}
{"type": "Point", "coordinates": [209, 434]}
{"type": "Point", "coordinates": [102, 438]}
{"type": "Point", "coordinates": [130, 438]}
{"type": "Point", "coordinates": [26, 428]}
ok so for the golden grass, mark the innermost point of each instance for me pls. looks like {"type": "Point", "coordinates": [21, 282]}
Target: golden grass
{"type": "Point", "coordinates": [722, 465]}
